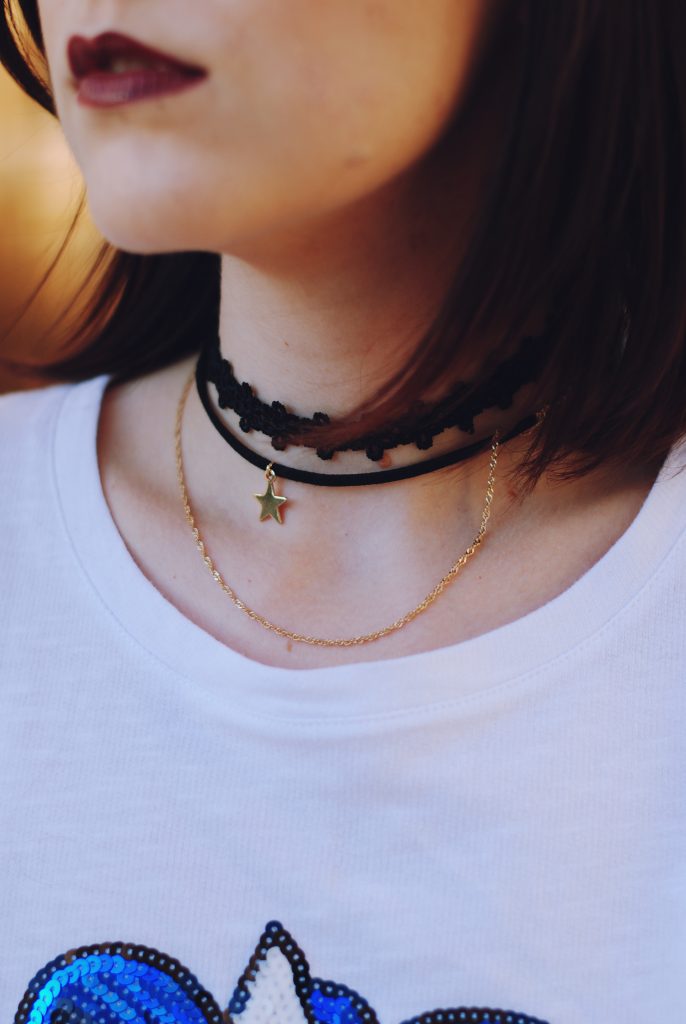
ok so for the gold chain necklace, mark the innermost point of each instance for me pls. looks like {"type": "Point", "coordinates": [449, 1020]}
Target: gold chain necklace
{"type": "Point", "coordinates": [314, 641]}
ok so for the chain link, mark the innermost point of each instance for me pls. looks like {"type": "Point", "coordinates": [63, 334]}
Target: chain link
{"type": "Point", "coordinates": [288, 634]}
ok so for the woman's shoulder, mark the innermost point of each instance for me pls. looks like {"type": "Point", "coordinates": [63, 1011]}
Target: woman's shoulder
{"type": "Point", "coordinates": [25, 406]}
{"type": "Point", "coordinates": [27, 425]}
{"type": "Point", "coordinates": [27, 418]}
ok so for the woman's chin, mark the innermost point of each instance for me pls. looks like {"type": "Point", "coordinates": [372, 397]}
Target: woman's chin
{"type": "Point", "coordinates": [142, 235]}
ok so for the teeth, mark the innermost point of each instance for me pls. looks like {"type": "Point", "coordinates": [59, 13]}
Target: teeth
{"type": "Point", "coordinates": [136, 64]}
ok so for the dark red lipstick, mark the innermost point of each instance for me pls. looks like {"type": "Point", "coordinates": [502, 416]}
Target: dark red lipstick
{"type": "Point", "coordinates": [113, 69]}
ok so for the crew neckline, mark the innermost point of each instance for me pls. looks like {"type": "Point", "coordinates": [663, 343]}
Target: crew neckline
{"type": "Point", "coordinates": [392, 686]}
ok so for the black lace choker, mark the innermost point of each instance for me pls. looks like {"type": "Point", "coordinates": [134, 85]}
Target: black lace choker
{"type": "Point", "coordinates": [380, 476]}
{"type": "Point", "coordinates": [419, 426]}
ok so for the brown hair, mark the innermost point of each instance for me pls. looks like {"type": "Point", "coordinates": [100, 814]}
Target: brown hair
{"type": "Point", "coordinates": [585, 211]}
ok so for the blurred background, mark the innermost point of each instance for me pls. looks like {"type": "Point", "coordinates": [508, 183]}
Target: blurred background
{"type": "Point", "coordinates": [40, 189]}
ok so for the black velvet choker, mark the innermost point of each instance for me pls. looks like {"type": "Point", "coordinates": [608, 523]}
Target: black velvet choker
{"type": "Point", "coordinates": [419, 426]}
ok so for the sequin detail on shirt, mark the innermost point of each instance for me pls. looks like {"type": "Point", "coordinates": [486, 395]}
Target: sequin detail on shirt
{"type": "Point", "coordinates": [115, 982]}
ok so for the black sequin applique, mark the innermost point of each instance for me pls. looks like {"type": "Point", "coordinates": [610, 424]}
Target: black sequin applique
{"type": "Point", "coordinates": [115, 982]}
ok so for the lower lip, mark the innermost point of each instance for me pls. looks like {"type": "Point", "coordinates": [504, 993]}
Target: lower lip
{"type": "Point", "coordinates": [114, 89]}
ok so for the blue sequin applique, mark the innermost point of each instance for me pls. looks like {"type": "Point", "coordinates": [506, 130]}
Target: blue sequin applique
{"type": "Point", "coordinates": [115, 982]}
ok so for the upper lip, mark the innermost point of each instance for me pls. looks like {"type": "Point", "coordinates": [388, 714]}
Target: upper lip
{"type": "Point", "coordinates": [86, 55]}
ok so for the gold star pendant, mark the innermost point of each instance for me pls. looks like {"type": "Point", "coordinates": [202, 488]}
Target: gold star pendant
{"type": "Point", "coordinates": [269, 501]}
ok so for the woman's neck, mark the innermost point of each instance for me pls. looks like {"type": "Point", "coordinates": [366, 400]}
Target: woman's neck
{"type": "Point", "coordinates": [321, 319]}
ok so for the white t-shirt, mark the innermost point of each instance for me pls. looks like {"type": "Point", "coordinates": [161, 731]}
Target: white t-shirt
{"type": "Point", "coordinates": [497, 824]}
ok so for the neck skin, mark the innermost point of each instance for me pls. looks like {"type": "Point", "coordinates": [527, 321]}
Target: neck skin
{"type": "Point", "coordinates": [324, 329]}
{"type": "Point", "coordinates": [325, 319]}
